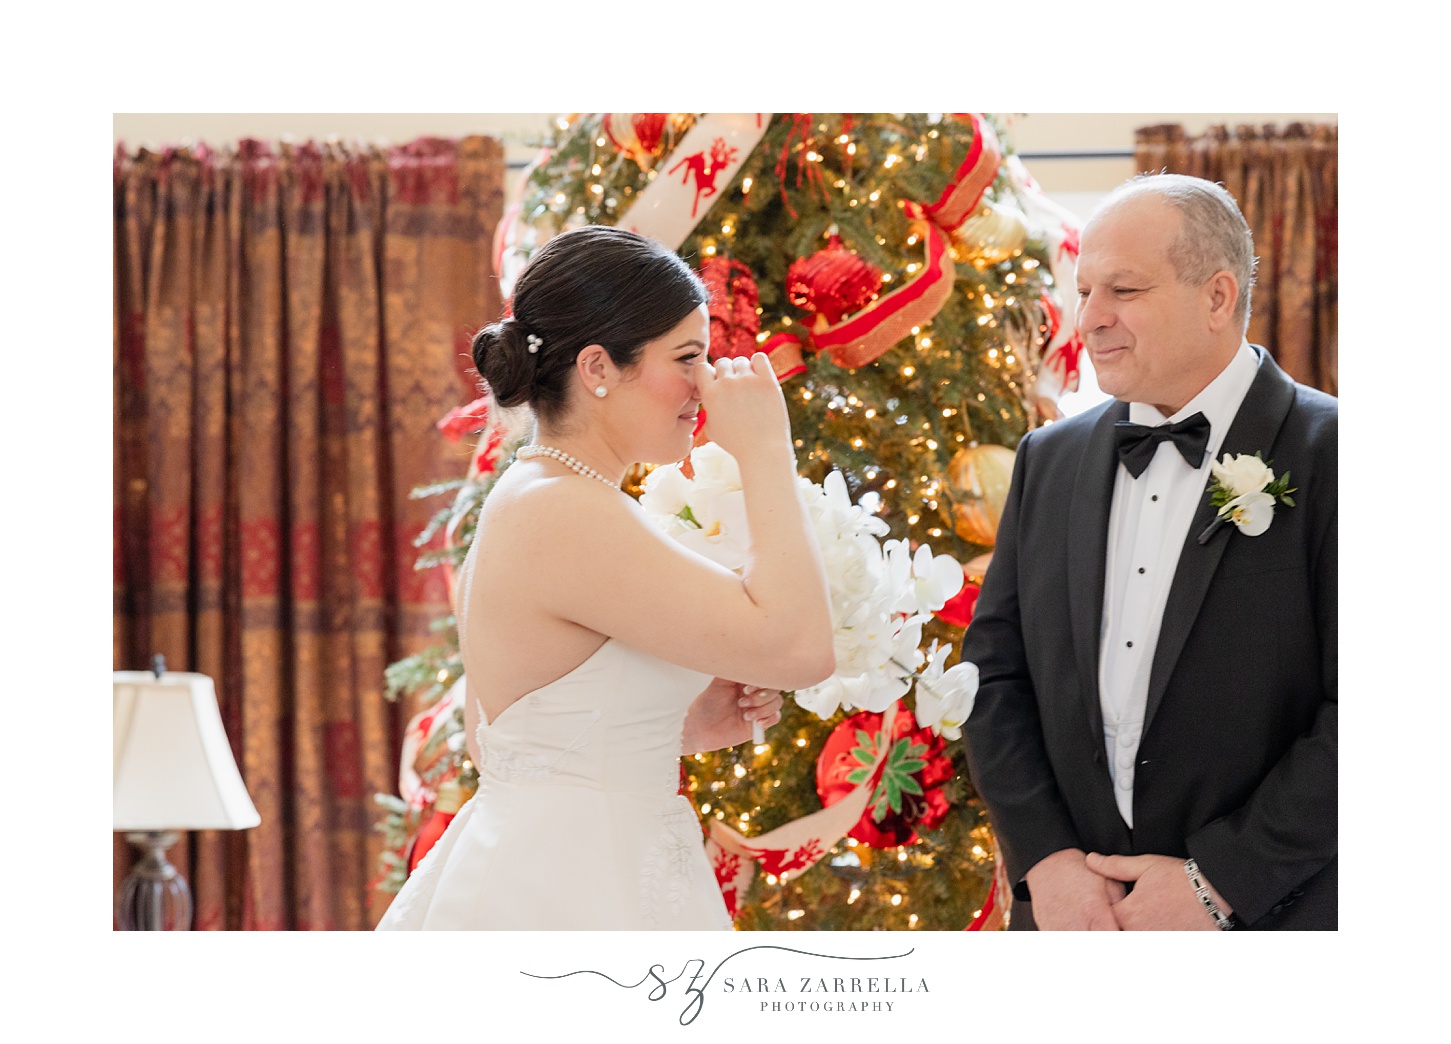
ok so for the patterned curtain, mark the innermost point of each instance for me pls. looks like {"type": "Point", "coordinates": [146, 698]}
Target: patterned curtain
{"type": "Point", "coordinates": [290, 321]}
{"type": "Point", "coordinates": [1286, 183]}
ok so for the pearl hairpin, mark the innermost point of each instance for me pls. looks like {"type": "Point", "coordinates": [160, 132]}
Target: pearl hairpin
{"type": "Point", "coordinates": [535, 342]}
{"type": "Point", "coordinates": [574, 464]}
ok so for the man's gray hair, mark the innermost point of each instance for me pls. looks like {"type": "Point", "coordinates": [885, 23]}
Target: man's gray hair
{"type": "Point", "coordinates": [1213, 235]}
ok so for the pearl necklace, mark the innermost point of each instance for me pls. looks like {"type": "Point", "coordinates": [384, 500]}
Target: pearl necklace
{"type": "Point", "coordinates": [574, 464]}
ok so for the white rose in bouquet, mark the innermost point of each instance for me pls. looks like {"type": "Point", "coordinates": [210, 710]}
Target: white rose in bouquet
{"type": "Point", "coordinates": [715, 468]}
{"type": "Point", "coordinates": [708, 513]}
{"type": "Point", "coordinates": [665, 493]}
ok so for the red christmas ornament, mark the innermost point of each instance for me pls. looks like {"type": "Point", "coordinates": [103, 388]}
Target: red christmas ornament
{"type": "Point", "coordinates": [733, 299]}
{"type": "Point", "coordinates": [648, 127]}
{"type": "Point", "coordinates": [451, 797]}
{"type": "Point", "coordinates": [912, 780]}
{"type": "Point", "coordinates": [832, 282]}
{"type": "Point", "coordinates": [636, 134]}
{"type": "Point", "coordinates": [427, 836]}
{"type": "Point", "coordinates": [959, 608]}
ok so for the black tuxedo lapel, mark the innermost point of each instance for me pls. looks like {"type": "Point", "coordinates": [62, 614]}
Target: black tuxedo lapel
{"type": "Point", "coordinates": [1254, 429]}
{"type": "Point", "coordinates": [1087, 553]}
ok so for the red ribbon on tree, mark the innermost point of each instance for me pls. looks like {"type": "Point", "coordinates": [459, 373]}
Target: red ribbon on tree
{"type": "Point", "coordinates": [997, 904]}
{"type": "Point", "coordinates": [465, 420]}
{"type": "Point", "coordinates": [784, 351]}
{"type": "Point", "coordinates": [973, 178]}
{"type": "Point", "coordinates": [863, 337]}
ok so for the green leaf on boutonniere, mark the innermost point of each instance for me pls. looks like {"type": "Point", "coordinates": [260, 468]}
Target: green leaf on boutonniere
{"type": "Point", "coordinates": [1281, 489]}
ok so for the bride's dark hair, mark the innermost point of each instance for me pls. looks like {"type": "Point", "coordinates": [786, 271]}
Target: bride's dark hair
{"type": "Point", "coordinates": [592, 285]}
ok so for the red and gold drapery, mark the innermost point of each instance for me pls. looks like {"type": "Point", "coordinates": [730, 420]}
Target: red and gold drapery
{"type": "Point", "coordinates": [290, 322]}
{"type": "Point", "coordinates": [1286, 182]}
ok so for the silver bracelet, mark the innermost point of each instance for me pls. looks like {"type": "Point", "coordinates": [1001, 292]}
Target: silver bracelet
{"type": "Point", "coordinates": [1201, 889]}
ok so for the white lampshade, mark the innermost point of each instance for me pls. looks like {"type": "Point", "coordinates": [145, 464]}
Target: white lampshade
{"type": "Point", "coordinates": [172, 766]}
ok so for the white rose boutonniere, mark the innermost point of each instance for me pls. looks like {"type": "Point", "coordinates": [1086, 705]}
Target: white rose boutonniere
{"type": "Point", "coordinates": [1244, 491]}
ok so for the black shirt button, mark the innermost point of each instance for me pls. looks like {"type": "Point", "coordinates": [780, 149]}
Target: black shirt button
{"type": "Point", "coordinates": [1129, 644]}
{"type": "Point", "coordinates": [1141, 569]}
{"type": "Point", "coordinates": [1154, 497]}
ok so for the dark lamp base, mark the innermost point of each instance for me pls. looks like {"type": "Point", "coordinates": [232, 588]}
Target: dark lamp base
{"type": "Point", "coordinates": [154, 897]}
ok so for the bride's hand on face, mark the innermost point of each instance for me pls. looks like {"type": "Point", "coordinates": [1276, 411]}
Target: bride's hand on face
{"type": "Point", "coordinates": [723, 714]}
{"type": "Point", "coordinates": [744, 408]}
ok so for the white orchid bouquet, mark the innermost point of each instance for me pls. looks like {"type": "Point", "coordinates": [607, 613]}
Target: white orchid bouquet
{"type": "Point", "coordinates": [881, 594]}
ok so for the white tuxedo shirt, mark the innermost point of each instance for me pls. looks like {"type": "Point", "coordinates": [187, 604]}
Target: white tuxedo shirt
{"type": "Point", "coordinates": [1148, 522]}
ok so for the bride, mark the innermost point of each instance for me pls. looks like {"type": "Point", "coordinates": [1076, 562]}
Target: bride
{"type": "Point", "coordinates": [596, 650]}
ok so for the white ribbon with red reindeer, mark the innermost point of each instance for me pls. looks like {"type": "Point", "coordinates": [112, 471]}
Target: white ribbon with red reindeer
{"type": "Point", "coordinates": [702, 165]}
{"type": "Point", "coordinates": [1057, 371]}
{"type": "Point", "coordinates": [795, 847]}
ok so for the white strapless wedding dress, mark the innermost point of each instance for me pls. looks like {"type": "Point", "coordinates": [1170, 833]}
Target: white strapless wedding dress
{"type": "Point", "coordinates": [578, 822]}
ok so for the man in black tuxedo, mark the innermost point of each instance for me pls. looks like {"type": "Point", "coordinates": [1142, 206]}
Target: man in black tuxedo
{"type": "Point", "coordinates": [1154, 733]}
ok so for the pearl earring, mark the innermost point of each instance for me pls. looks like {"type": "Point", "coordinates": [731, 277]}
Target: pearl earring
{"type": "Point", "coordinates": [601, 392]}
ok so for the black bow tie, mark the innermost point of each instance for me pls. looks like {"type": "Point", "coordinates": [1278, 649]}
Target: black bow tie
{"type": "Point", "coordinates": [1138, 442]}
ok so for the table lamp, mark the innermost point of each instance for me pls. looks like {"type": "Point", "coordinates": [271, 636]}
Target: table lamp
{"type": "Point", "coordinates": [172, 770]}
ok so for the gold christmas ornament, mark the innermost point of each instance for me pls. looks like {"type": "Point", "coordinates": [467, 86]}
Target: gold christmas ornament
{"type": "Point", "coordinates": [634, 483]}
{"type": "Point", "coordinates": [639, 135]}
{"type": "Point", "coordinates": [978, 478]}
{"type": "Point", "coordinates": [993, 233]}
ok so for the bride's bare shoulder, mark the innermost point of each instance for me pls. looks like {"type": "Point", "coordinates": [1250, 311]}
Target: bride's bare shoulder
{"type": "Point", "coordinates": [528, 497]}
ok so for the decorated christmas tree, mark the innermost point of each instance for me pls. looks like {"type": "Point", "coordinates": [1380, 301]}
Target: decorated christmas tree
{"type": "Point", "coordinates": [908, 281]}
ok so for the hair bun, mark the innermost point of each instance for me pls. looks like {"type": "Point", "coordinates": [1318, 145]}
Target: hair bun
{"type": "Point", "coordinates": [502, 357]}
